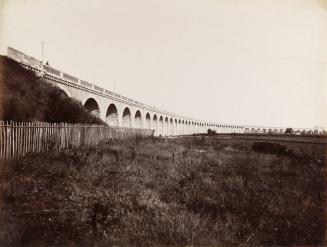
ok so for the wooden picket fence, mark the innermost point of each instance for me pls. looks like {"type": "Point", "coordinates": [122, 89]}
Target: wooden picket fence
{"type": "Point", "coordinates": [19, 138]}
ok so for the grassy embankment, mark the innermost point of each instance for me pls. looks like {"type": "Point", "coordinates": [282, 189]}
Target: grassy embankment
{"type": "Point", "coordinates": [157, 192]}
{"type": "Point", "coordinates": [25, 97]}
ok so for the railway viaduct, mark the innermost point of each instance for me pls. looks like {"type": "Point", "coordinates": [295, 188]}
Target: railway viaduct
{"type": "Point", "coordinates": [116, 109]}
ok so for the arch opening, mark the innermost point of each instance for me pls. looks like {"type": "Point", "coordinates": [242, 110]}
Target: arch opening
{"type": "Point", "coordinates": [148, 121]}
{"type": "Point", "coordinates": [64, 89]}
{"type": "Point", "coordinates": [166, 127]}
{"type": "Point", "coordinates": [155, 123]}
{"type": "Point", "coordinates": [161, 125]}
{"type": "Point", "coordinates": [171, 127]}
{"type": "Point", "coordinates": [138, 120]}
{"type": "Point", "coordinates": [112, 115]}
{"type": "Point", "coordinates": [63, 92]}
{"type": "Point", "coordinates": [92, 106]}
{"type": "Point", "coordinates": [127, 118]}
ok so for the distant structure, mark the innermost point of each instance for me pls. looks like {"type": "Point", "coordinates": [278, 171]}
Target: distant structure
{"type": "Point", "coordinates": [281, 130]}
{"type": "Point", "coordinates": [118, 110]}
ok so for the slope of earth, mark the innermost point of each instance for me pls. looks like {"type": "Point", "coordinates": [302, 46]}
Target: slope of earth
{"type": "Point", "coordinates": [24, 97]}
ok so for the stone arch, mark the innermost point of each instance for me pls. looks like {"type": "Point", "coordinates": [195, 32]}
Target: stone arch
{"type": "Point", "coordinates": [155, 124]}
{"type": "Point", "coordinates": [171, 127]}
{"type": "Point", "coordinates": [161, 125]}
{"type": "Point", "coordinates": [127, 118]}
{"type": "Point", "coordinates": [148, 121]}
{"type": "Point", "coordinates": [112, 115]}
{"type": "Point", "coordinates": [92, 106]}
{"type": "Point", "coordinates": [138, 119]}
{"type": "Point", "coordinates": [179, 127]}
{"type": "Point", "coordinates": [166, 126]}
{"type": "Point", "coordinates": [175, 130]}
{"type": "Point", "coordinates": [64, 89]}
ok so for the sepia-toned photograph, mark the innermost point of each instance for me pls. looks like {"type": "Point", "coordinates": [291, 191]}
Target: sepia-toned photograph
{"type": "Point", "coordinates": [163, 123]}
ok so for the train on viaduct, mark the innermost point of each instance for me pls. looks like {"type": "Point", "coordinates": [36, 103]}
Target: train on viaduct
{"type": "Point", "coordinates": [121, 111]}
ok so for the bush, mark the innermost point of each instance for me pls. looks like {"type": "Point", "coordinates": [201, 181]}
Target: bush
{"type": "Point", "coordinates": [271, 148]}
{"type": "Point", "coordinates": [211, 132]}
{"type": "Point", "coordinates": [289, 131]}
{"type": "Point", "coordinates": [27, 98]}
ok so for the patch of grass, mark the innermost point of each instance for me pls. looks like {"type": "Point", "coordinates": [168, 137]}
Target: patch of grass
{"type": "Point", "coordinates": [154, 192]}
{"type": "Point", "coordinates": [272, 148]}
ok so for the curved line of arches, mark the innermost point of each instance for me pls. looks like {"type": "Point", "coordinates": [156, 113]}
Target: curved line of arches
{"type": "Point", "coordinates": [162, 125]}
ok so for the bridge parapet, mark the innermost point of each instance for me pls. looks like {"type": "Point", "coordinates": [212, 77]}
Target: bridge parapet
{"type": "Point", "coordinates": [108, 92]}
{"type": "Point", "coordinates": [86, 84]}
{"type": "Point", "coordinates": [70, 77]}
{"type": "Point", "coordinates": [100, 89]}
{"type": "Point", "coordinates": [52, 71]}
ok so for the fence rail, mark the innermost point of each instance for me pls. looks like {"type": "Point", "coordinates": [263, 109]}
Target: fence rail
{"type": "Point", "coordinates": [19, 138]}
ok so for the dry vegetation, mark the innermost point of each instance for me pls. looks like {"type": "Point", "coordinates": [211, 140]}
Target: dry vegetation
{"type": "Point", "coordinates": [25, 97]}
{"type": "Point", "coordinates": [160, 192]}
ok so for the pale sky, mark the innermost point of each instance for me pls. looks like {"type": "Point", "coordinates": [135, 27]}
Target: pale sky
{"type": "Point", "coordinates": [257, 62]}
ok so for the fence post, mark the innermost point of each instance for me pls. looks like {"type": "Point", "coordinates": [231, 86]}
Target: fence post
{"type": "Point", "coordinates": [83, 130]}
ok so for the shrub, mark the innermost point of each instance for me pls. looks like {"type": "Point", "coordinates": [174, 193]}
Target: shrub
{"type": "Point", "coordinates": [289, 131]}
{"type": "Point", "coordinates": [211, 132]}
{"type": "Point", "coordinates": [268, 147]}
{"type": "Point", "coordinates": [27, 98]}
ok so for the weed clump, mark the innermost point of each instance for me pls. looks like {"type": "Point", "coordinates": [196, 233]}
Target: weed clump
{"type": "Point", "coordinates": [271, 148]}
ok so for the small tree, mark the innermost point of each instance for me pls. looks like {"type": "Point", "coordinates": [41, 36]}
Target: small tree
{"type": "Point", "coordinates": [288, 131]}
{"type": "Point", "coordinates": [211, 132]}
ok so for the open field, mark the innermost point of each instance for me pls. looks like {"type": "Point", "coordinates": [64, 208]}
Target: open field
{"type": "Point", "coordinates": [314, 139]}
{"type": "Point", "coordinates": [194, 191]}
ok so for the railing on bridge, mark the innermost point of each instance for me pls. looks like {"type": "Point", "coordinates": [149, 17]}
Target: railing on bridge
{"type": "Point", "coordinates": [17, 138]}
